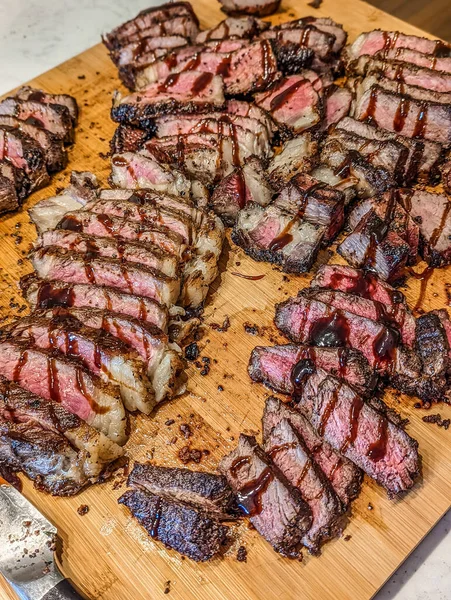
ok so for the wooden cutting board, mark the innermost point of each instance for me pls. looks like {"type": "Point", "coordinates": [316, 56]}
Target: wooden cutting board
{"type": "Point", "coordinates": [105, 552]}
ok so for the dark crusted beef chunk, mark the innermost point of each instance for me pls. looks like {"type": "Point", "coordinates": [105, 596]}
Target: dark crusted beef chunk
{"type": "Point", "coordinates": [9, 196]}
{"type": "Point", "coordinates": [275, 507]}
{"type": "Point", "coordinates": [259, 8]}
{"type": "Point", "coordinates": [244, 27]}
{"type": "Point", "coordinates": [290, 454]}
{"type": "Point", "coordinates": [180, 527]}
{"type": "Point", "coordinates": [433, 343]}
{"type": "Point", "coordinates": [25, 154]}
{"type": "Point", "coordinates": [298, 155]}
{"type": "Point", "coordinates": [344, 476]}
{"type": "Point", "coordinates": [205, 491]}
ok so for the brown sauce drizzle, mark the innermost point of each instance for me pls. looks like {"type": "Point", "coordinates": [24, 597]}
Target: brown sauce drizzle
{"type": "Point", "coordinates": [251, 277]}
{"type": "Point", "coordinates": [423, 277]}
{"type": "Point", "coordinates": [142, 310]}
{"type": "Point", "coordinates": [378, 449]}
{"type": "Point", "coordinates": [278, 101]}
{"type": "Point", "coordinates": [106, 222]}
{"type": "Point", "coordinates": [241, 189]}
{"type": "Point", "coordinates": [280, 241]}
{"type": "Point", "coordinates": [89, 272]}
{"type": "Point", "coordinates": [153, 531]}
{"type": "Point", "coordinates": [372, 105]}
{"type": "Point", "coordinates": [356, 407]}
{"type": "Point", "coordinates": [225, 66]}
{"type": "Point", "coordinates": [249, 497]}
{"type": "Point", "coordinates": [21, 362]}
{"type": "Point", "coordinates": [328, 410]}
{"type": "Point", "coordinates": [330, 331]}
{"type": "Point", "coordinates": [305, 469]}
{"type": "Point", "coordinates": [52, 373]}
{"type": "Point", "coordinates": [238, 463]}
{"type": "Point", "coordinates": [300, 373]}
{"type": "Point", "coordinates": [338, 464]}
{"type": "Point", "coordinates": [37, 96]}
{"type": "Point", "coordinates": [71, 223]}
{"type": "Point", "coordinates": [421, 121]}
{"type": "Point", "coordinates": [201, 83]}
{"type": "Point", "coordinates": [35, 122]}
{"type": "Point", "coordinates": [281, 448]}
{"type": "Point", "coordinates": [49, 296]}
{"type": "Point", "coordinates": [384, 346]}
{"type": "Point", "coordinates": [119, 161]}
{"type": "Point", "coordinates": [96, 408]}
{"type": "Point", "coordinates": [169, 82]}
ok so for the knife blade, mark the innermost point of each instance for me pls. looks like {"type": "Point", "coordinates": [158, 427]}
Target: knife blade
{"type": "Point", "coordinates": [27, 542]}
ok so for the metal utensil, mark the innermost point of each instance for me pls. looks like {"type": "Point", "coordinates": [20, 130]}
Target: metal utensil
{"type": "Point", "coordinates": [27, 542]}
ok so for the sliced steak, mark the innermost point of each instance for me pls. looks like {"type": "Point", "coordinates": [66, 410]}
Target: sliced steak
{"type": "Point", "coordinates": [298, 155]}
{"type": "Point", "coordinates": [52, 263]}
{"type": "Point", "coordinates": [240, 108]}
{"type": "Point", "coordinates": [294, 103]}
{"type": "Point", "coordinates": [242, 186]}
{"type": "Point", "coordinates": [260, 8]}
{"type": "Point", "coordinates": [54, 377]}
{"type": "Point", "coordinates": [345, 477]}
{"type": "Point", "coordinates": [399, 87]}
{"type": "Point", "coordinates": [27, 93]}
{"type": "Point", "coordinates": [323, 24]}
{"type": "Point", "coordinates": [275, 507]}
{"type": "Point", "coordinates": [338, 102]}
{"type": "Point", "coordinates": [432, 343]}
{"type": "Point", "coordinates": [146, 50]}
{"type": "Point", "coordinates": [273, 235]}
{"type": "Point", "coordinates": [290, 454]}
{"type": "Point", "coordinates": [205, 491]}
{"type": "Point", "coordinates": [181, 92]}
{"type": "Point", "coordinates": [354, 281]}
{"type": "Point", "coordinates": [305, 36]}
{"type": "Point", "coordinates": [25, 154]}
{"type": "Point", "coordinates": [10, 195]}
{"type": "Point", "coordinates": [188, 531]}
{"type": "Point", "coordinates": [384, 451]}
{"type": "Point", "coordinates": [129, 139]}
{"type": "Point", "coordinates": [245, 27]}
{"type": "Point", "coordinates": [164, 364]}
{"type": "Point", "coordinates": [55, 118]}
{"type": "Point", "coordinates": [52, 294]}
{"type": "Point", "coordinates": [312, 322]}
{"type": "Point", "coordinates": [146, 19]}
{"type": "Point", "coordinates": [413, 57]}
{"type": "Point", "coordinates": [284, 367]}
{"type": "Point", "coordinates": [104, 355]}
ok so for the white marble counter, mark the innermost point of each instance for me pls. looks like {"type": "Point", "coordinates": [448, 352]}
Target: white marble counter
{"type": "Point", "coordinates": [36, 35]}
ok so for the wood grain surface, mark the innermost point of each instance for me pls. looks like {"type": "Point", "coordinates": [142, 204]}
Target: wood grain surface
{"type": "Point", "coordinates": [105, 553]}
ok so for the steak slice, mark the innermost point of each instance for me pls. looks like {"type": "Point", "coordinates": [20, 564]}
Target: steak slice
{"type": "Point", "coordinates": [27, 93]}
{"type": "Point", "coordinates": [239, 188]}
{"type": "Point", "coordinates": [182, 528]}
{"type": "Point", "coordinates": [55, 118]}
{"type": "Point", "coordinates": [129, 139]}
{"type": "Point", "coordinates": [308, 321]}
{"type": "Point", "coordinates": [204, 491]}
{"type": "Point", "coordinates": [273, 235]}
{"type": "Point", "coordinates": [54, 377]}
{"type": "Point", "coordinates": [146, 19]}
{"type": "Point", "coordinates": [305, 36]}
{"type": "Point", "coordinates": [259, 8]}
{"type": "Point", "coordinates": [384, 451]}
{"type": "Point", "coordinates": [240, 108]}
{"type": "Point", "coordinates": [283, 368]}
{"type": "Point", "coordinates": [102, 354]}
{"type": "Point", "coordinates": [52, 262]}
{"type": "Point", "coordinates": [290, 454]}
{"type": "Point", "coordinates": [345, 477]}
{"type": "Point", "coordinates": [244, 27]}
{"type": "Point", "coordinates": [294, 103]}
{"type": "Point", "coordinates": [275, 507]}
{"type": "Point", "coordinates": [53, 447]}
{"type": "Point", "coordinates": [102, 247]}
{"type": "Point", "coordinates": [432, 213]}
{"type": "Point", "coordinates": [354, 281]}
{"type": "Point", "coordinates": [399, 87]}
{"type": "Point", "coordinates": [432, 343]}
{"type": "Point", "coordinates": [413, 57]}
{"type": "Point", "coordinates": [423, 156]}
{"type": "Point", "coordinates": [165, 367]}
{"type": "Point", "coordinates": [384, 41]}
{"type": "Point", "coordinates": [338, 102]}
{"type": "Point", "coordinates": [314, 201]}
{"type": "Point", "coordinates": [298, 155]}
{"type": "Point", "coordinates": [146, 50]}
{"type": "Point", "coordinates": [323, 24]}
{"type": "Point", "coordinates": [52, 294]}
{"type": "Point", "coordinates": [10, 195]}
{"type": "Point", "coordinates": [25, 154]}
{"type": "Point", "coordinates": [381, 108]}
{"type": "Point", "coordinates": [191, 91]}
{"type": "Point", "coordinates": [247, 70]}
{"type": "Point", "coordinates": [55, 155]}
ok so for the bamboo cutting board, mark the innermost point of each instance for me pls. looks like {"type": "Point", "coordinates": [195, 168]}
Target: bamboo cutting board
{"type": "Point", "coordinates": [106, 554]}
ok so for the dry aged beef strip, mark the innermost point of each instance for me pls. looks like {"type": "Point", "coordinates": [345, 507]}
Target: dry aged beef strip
{"type": "Point", "coordinates": [345, 477]}
{"type": "Point", "coordinates": [71, 453]}
{"type": "Point", "coordinates": [205, 491]}
{"type": "Point", "coordinates": [104, 355]}
{"type": "Point", "coordinates": [41, 294]}
{"type": "Point", "coordinates": [275, 507]}
{"type": "Point", "coordinates": [52, 376]}
{"type": "Point", "coordinates": [290, 454]}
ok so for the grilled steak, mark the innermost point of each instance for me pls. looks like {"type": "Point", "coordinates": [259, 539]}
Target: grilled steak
{"type": "Point", "coordinates": [104, 355]}
{"type": "Point", "coordinates": [273, 235]}
{"type": "Point", "coordinates": [55, 118]}
{"type": "Point", "coordinates": [164, 364]}
{"type": "Point", "coordinates": [24, 153]}
{"type": "Point", "coordinates": [432, 343]}
{"type": "Point", "coordinates": [55, 448]}
{"type": "Point", "coordinates": [179, 93]}
{"type": "Point", "coordinates": [305, 36]}
{"type": "Point", "coordinates": [245, 27]}
{"type": "Point", "coordinates": [392, 85]}
{"type": "Point", "coordinates": [337, 105]}
{"type": "Point", "coordinates": [205, 491]}
{"type": "Point", "coordinates": [165, 15]}
{"type": "Point", "coordinates": [275, 507]}
{"type": "Point", "coordinates": [27, 93]}
{"type": "Point", "coordinates": [55, 377]}
{"type": "Point", "coordinates": [290, 454]}
{"type": "Point", "coordinates": [9, 188]}
{"type": "Point", "coordinates": [247, 70]}
{"type": "Point", "coordinates": [305, 320]}
{"type": "Point", "coordinates": [242, 186]}
{"type": "Point", "coordinates": [260, 8]}
{"type": "Point", "coordinates": [186, 530]}
{"type": "Point", "coordinates": [323, 24]}
{"type": "Point", "coordinates": [294, 102]}
{"type": "Point", "coordinates": [384, 41]}
{"type": "Point", "coordinates": [384, 451]}
{"type": "Point", "coordinates": [296, 156]}
{"type": "Point", "coordinates": [413, 57]}
{"type": "Point", "coordinates": [147, 50]}
{"type": "Point", "coordinates": [344, 476]}
{"type": "Point", "coordinates": [52, 294]}
{"type": "Point", "coordinates": [283, 368]}
{"type": "Point", "coordinates": [129, 139]}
